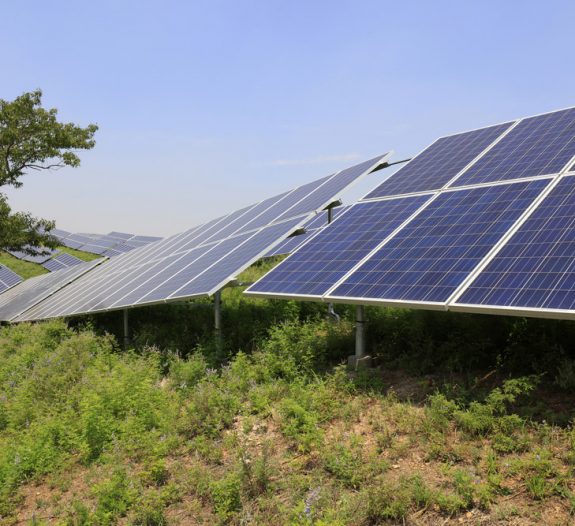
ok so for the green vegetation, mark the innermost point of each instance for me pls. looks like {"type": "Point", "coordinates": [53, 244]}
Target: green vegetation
{"type": "Point", "coordinates": [280, 434]}
{"type": "Point", "coordinates": [25, 269]}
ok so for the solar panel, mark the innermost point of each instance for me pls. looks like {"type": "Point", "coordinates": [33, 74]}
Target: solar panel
{"type": "Point", "coordinates": [535, 268]}
{"type": "Point", "coordinates": [8, 278]}
{"type": "Point", "coordinates": [325, 193]}
{"type": "Point", "coordinates": [433, 254]}
{"type": "Point", "coordinates": [540, 145]}
{"type": "Point", "coordinates": [32, 291]}
{"type": "Point", "coordinates": [61, 261]}
{"type": "Point", "coordinates": [317, 265]}
{"type": "Point", "coordinates": [61, 234]}
{"type": "Point", "coordinates": [435, 166]}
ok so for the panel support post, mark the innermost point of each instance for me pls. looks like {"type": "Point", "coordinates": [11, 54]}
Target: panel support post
{"type": "Point", "coordinates": [218, 322]}
{"type": "Point", "coordinates": [126, 332]}
{"type": "Point", "coordinates": [360, 359]}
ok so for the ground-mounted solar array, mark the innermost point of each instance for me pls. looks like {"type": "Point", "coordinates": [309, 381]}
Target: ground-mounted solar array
{"type": "Point", "coordinates": [495, 232]}
{"type": "Point", "coordinates": [191, 264]}
{"type": "Point", "coordinates": [110, 245]}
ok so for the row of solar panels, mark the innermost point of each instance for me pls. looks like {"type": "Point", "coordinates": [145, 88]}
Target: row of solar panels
{"type": "Point", "coordinates": [191, 264]}
{"type": "Point", "coordinates": [109, 245]}
{"type": "Point", "coordinates": [481, 221]}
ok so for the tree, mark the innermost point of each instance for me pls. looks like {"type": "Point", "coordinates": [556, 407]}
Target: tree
{"type": "Point", "coordinates": [31, 138]}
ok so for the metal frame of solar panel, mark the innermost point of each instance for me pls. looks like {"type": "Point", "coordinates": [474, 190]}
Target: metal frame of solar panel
{"type": "Point", "coordinates": [202, 260]}
{"type": "Point", "coordinates": [535, 152]}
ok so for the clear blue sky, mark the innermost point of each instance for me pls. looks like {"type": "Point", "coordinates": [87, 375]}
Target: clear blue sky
{"type": "Point", "coordinates": [206, 106]}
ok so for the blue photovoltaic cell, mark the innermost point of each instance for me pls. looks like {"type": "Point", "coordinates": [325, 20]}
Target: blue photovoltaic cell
{"type": "Point", "coordinates": [331, 189]}
{"type": "Point", "coordinates": [536, 267]}
{"type": "Point", "coordinates": [540, 145]}
{"type": "Point", "coordinates": [431, 256]}
{"type": "Point", "coordinates": [319, 264]}
{"type": "Point", "coordinates": [439, 163]}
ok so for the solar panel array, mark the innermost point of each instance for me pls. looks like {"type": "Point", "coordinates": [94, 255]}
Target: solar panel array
{"type": "Point", "coordinates": [191, 264]}
{"type": "Point", "coordinates": [8, 279]}
{"type": "Point", "coordinates": [110, 245]}
{"type": "Point", "coordinates": [487, 224]}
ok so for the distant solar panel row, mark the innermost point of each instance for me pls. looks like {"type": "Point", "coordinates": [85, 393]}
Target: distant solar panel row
{"type": "Point", "coordinates": [194, 263]}
{"type": "Point", "coordinates": [109, 245]}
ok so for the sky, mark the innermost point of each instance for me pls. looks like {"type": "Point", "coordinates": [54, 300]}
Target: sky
{"type": "Point", "coordinates": [208, 106]}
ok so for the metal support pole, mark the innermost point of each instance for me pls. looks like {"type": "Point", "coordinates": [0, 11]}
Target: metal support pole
{"type": "Point", "coordinates": [126, 330]}
{"type": "Point", "coordinates": [218, 321]}
{"type": "Point", "coordinates": [360, 359]}
{"type": "Point", "coordinates": [359, 332]}
{"type": "Point", "coordinates": [330, 308]}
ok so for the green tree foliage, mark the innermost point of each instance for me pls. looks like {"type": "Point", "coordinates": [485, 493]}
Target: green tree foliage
{"type": "Point", "coordinates": [31, 138]}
